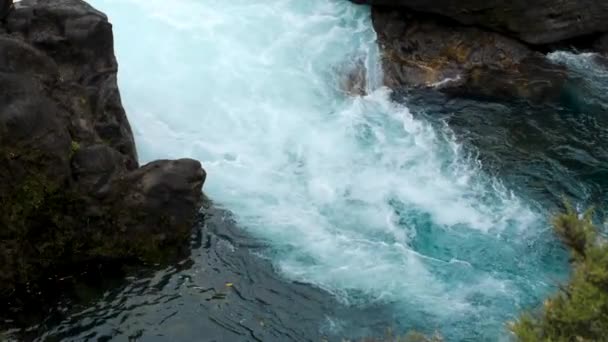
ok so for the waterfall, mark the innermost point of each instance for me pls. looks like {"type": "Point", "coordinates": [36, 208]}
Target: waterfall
{"type": "Point", "coordinates": [352, 193]}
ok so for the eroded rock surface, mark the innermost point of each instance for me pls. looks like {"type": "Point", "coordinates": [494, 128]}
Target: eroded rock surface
{"type": "Point", "coordinates": [420, 51]}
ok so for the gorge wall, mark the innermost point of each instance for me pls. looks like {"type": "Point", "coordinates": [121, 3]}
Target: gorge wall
{"type": "Point", "coordinates": [534, 22]}
{"type": "Point", "coordinates": [71, 188]}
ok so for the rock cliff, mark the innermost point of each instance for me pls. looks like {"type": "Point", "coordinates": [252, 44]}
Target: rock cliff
{"type": "Point", "coordinates": [533, 21]}
{"type": "Point", "coordinates": [71, 189]}
{"type": "Point", "coordinates": [420, 51]}
{"type": "Point", "coordinates": [492, 48]}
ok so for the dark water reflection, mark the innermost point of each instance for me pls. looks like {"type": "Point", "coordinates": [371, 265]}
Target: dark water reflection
{"type": "Point", "coordinates": [224, 292]}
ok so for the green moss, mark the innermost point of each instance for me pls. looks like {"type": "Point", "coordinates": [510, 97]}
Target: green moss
{"type": "Point", "coordinates": [37, 232]}
{"type": "Point", "coordinates": [579, 312]}
{"type": "Point", "coordinates": [41, 220]}
{"type": "Point", "coordinates": [74, 147]}
{"type": "Point", "coordinates": [46, 227]}
{"type": "Point", "coordinates": [145, 247]}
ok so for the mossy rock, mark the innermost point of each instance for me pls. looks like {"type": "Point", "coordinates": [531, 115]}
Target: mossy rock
{"type": "Point", "coordinates": [46, 226]}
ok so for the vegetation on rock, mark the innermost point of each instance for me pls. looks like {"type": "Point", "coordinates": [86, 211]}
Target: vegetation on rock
{"type": "Point", "coordinates": [37, 230]}
{"type": "Point", "coordinates": [579, 312]}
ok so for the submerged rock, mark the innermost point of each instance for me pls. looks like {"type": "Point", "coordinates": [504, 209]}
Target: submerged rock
{"type": "Point", "coordinates": [71, 190]}
{"type": "Point", "coordinates": [533, 21]}
{"type": "Point", "coordinates": [354, 79]}
{"type": "Point", "coordinates": [420, 51]}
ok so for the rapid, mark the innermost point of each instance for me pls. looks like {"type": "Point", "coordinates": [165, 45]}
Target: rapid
{"type": "Point", "coordinates": [349, 195]}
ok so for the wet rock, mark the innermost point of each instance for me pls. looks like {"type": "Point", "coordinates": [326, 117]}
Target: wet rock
{"type": "Point", "coordinates": [79, 40]}
{"type": "Point", "coordinates": [93, 168]}
{"type": "Point", "coordinates": [601, 45]}
{"type": "Point", "coordinates": [533, 21]}
{"type": "Point", "coordinates": [33, 140]}
{"type": "Point", "coordinates": [422, 52]}
{"type": "Point", "coordinates": [165, 197]}
{"type": "Point", "coordinates": [71, 190]}
{"type": "Point", "coordinates": [5, 6]}
{"type": "Point", "coordinates": [354, 80]}
{"type": "Point", "coordinates": [21, 57]}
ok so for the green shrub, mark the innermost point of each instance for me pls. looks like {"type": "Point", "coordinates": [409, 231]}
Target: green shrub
{"type": "Point", "coordinates": [579, 312]}
{"type": "Point", "coordinates": [74, 147]}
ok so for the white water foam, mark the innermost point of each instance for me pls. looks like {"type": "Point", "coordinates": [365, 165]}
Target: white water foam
{"type": "Point", "coordinates": [590, 68]}
{"type": "Point", "coordinates": [342, 187]}
{"type": "Point", "coordinates": [582, 62]}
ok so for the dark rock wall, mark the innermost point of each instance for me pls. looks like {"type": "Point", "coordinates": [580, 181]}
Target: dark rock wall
{"type": "Point", "coordinates": [601, 44]}
{"type": "Point", "coordinates": [71, 189]}
{"type": "Point", "coordinates": [533, 21]}
{"type": "Point", "coordinates": [422, 51]}
{"type": "Point", "coordinates": [77, 40]}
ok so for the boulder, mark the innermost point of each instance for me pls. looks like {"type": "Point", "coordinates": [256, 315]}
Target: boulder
{"type": "Point", "coordinates": [533, 21]}
{"type": "Point", "coordinates": [71, 189]}
{"type": "Point", "coordinates": [164, 194]}
{"type": "Point", "coordinates": [420, 52]}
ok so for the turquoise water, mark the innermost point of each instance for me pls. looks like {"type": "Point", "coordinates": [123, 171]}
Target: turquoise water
{"type": "Point", "coordinates": [353, 194]}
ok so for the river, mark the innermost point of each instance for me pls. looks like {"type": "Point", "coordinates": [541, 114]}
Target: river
{"type": "Point", "coordinates": [337, 214]}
